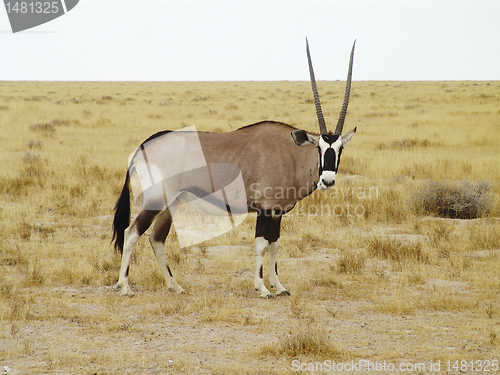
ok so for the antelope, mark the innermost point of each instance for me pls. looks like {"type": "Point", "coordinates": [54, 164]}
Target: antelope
{"type": "Point", "coordinates": [279, 164]}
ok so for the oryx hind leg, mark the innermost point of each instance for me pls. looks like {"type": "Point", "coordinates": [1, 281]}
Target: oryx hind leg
{"type": "Point", "coordinates": [157, 240]}
{"type": "Point", "coordinates": [132, 234]}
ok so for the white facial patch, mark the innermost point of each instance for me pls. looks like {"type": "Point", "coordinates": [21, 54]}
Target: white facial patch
{"type": "Point", "coordinates": [322, 145]}
{"type": "Point", "coordinates": [326, 180]}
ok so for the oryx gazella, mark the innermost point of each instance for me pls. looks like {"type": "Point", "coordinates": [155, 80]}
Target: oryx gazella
{"type": "Point", "coordinates": [280, 165]}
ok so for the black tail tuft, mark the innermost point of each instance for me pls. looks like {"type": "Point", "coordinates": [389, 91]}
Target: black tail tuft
{"type": "Point", "coordinates": [122, 216]}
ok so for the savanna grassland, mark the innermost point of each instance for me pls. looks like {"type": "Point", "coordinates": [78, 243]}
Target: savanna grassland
{"type": "Point", "coordinates": [399, 262]}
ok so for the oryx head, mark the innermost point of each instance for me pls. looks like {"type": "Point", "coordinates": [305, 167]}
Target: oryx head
{"type": "Point", "coordinates": [329, 144]}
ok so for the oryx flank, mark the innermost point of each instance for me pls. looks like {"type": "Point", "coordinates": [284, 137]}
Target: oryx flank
{"type": "Point", "coordinates": [280, 165]}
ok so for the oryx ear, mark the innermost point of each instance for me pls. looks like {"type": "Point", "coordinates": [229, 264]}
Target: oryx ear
{"type": "Point", "coordinates": [346, 138]}
{"type": "Point", "coordinates": [302, 138]}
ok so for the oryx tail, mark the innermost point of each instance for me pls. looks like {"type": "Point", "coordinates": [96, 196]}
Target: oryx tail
{"type": "Point", "coordinates": [122, 216]}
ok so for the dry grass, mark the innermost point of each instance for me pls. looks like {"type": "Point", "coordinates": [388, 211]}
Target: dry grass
{"type": "Point", "coordinates": [350, 262]}
{"type": "Point", "coordinates": [372, 274]}
{"type": "Point", "coordinates": [394, 249]}
{"type": "Point", "coordinates": [305, 341]}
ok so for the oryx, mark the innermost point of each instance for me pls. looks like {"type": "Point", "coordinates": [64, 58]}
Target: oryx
{"type": "Point", "coordinates": [280, 165]}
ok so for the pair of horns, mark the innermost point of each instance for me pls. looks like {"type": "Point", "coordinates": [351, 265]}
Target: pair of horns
{"type": "Point", "coordinates": [319, 112]}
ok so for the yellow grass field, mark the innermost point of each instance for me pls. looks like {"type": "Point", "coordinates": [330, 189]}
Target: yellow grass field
{"type": "Point", "coordinates": [375, 277]}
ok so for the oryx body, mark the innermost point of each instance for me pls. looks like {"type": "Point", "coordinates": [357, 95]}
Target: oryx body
{"type": "Point", "coordinates": [279, 164]}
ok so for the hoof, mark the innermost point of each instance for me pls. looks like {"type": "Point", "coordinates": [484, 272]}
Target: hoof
{"type": "Point", "coordinates": [176, 289]}
{"type": "Point", "coordinates": [284, 293]}
{"type": "Point", "coordinates": [126, 291]}
{"type": "Point", "coordinates": [267, 296]}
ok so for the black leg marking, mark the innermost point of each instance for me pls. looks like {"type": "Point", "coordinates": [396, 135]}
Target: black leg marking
{"type": "Point", "coordinates": [268, 226]}
{"type": "Point", "coordinates": [162, 227]}
{"type": "Point", "coordinates": [144, 220]}
{"type": "Point", "coordinates": [274, 229]}
{"type": "Point", "coordinates": [126, 272]}
{"type": "Point", "coordinates": [276, 267]}
{"type": "Point", "coordinates": [169, 272]}
{"type": "Point", "coordinates": [261, 272]}
{"type": "Point", "coordinates": [263, 225]}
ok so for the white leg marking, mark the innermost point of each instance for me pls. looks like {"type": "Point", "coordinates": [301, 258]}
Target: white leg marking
{"type": "Point", "coordinates": [273, 276]}
{"type": "Point", "coordinates": [159, 249]}
{"type": "Point", "coordinates": [260, 246]}
{"type": "Point", "coordinates": [131, 238]}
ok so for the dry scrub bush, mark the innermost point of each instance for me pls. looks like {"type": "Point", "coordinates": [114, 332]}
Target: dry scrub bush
{"type": "Point", "coordinates": [464, 200]}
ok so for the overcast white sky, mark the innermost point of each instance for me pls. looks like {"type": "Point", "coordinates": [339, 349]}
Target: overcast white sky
{"type": "Point", "coordinates": [166, 40]}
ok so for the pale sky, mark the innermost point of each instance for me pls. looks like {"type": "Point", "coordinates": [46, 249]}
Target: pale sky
{"type": "Point", "coordinates": [166, 40]}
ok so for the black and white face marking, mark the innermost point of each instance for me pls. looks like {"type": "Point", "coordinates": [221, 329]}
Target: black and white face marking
{"type": "Point", "coordinates": [330, 148]}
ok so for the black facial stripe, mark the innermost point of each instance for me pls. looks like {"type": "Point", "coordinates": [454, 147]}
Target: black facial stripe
{"type": "Point", "coordinates": [320, 161]}
{"type": "Point", "coordinates": [330, 158]}
{"type": "Point", "coordinates": [328, 161]}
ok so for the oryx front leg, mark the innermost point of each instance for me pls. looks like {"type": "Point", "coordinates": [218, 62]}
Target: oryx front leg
{"type": "Point", "coordinates": [267, 234]}
{"type": "Point", "coordinates": [157, 240]}
{"type": "Point", "coordinates": [273, 269]}
{"type": "Point", "coordinates": [261, 246]}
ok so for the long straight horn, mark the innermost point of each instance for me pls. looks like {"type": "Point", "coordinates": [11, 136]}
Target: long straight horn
{"type": "Point", "coordinates": [319, 112]}
{"type": "Point", "coordinates": [343, 112]}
